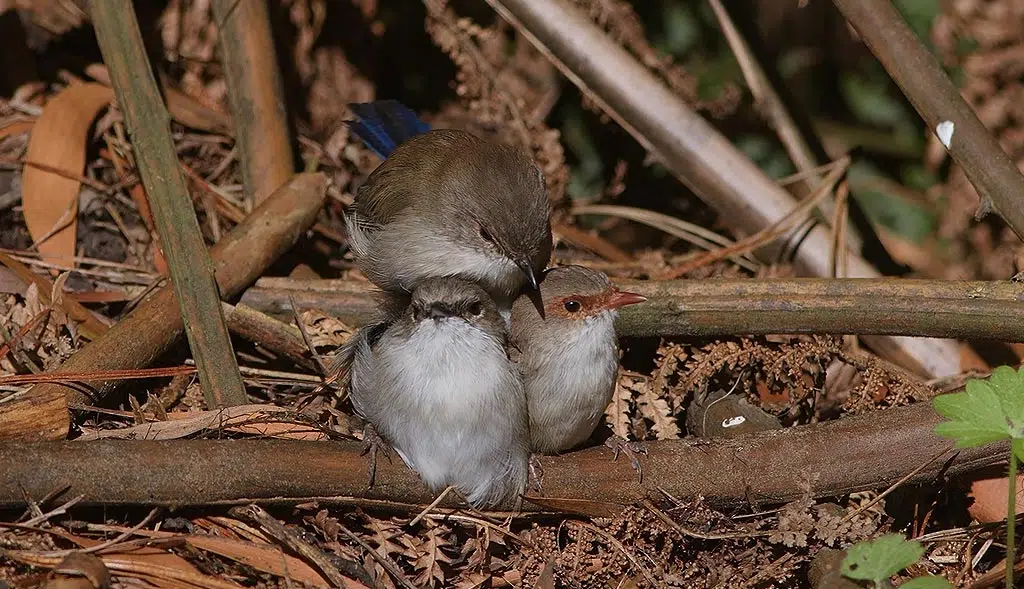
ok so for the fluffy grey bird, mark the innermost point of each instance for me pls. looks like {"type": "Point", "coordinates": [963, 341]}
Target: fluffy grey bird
{"type": "Point", "coordinates": [446, 203]}
{"type": "Point", "coordinates": [568, 356]}
{"type": "Point", "coordinates": [438, 385]}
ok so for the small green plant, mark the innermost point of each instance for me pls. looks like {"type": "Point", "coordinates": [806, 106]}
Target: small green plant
{"type": "Point", "coordinates": [990, 411]}
{"type": "Point", "coordinates": [877, 560]}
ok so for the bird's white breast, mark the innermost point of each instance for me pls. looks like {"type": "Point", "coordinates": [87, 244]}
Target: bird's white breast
{"type": "Point", "coordinates": [570, 379]}
{"type": "Point", "coordinates": [452, 404]}
{"type": "Point", "coordinates": [404, 252]}
{"type": "Point", "coordinates": [454, 365]}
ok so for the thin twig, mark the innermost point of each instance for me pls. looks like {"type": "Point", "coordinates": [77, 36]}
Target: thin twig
{"type": "Point", "coordinates": [893, 487]}
{"type": "Point", "coordinates": [61, 510]}
{"type": "Point", "coordinates": [689, 232]}
{"type": "Point", "coordinates": [383, 560]}
{"type": "Point", "coordinates": [432, 505]}
{"type": "Point", "coordinates": [125, 534]}
{"type": "Point", "coordinates": [281, 534]}
{"type": "Point", "coordinates": [664, 517]}
{"type": "Point", "coordinates": [306, 339]}
{"type": "Point", "coordinates": [770, 233]}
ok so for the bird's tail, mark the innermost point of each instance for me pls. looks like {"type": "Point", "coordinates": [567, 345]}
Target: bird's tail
{"type": "Point", "coordinates": [385, 124]}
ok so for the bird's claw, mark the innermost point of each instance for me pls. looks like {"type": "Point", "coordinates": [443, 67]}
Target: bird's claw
{"type": "Point", "coordinates": [535, 475]}
{"type": "Point", "coordinates": [373, 443]}
{"type": "Point", "coordinates": [620, 445]}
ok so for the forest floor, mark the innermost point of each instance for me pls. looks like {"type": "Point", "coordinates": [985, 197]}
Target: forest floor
{"type": "Point", "coordinates": [90, 236]}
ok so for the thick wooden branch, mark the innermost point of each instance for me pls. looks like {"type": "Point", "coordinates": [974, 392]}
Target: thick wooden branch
{"type": "Point", "coordinates": [852, 454]}
{"type": "Point", "coordinates": [936, 99]}
{"type": "Point", "coordinates": [968, 310]}
{"type": "Point", "coordinates": [188, 261]}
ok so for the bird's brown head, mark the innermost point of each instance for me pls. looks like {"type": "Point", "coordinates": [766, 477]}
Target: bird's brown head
{"type": "Point", "coordinates": [572, 293]}
{"type": "Point", "coordinates": [440, 299]}
{"type": "Point", "coordinates": [483, 194]}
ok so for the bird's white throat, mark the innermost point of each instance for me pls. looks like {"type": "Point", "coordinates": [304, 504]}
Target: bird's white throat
{"type": "Point", "coordinates": [453, 361]}
{"type": "Point", "coordinates": [427, 254]}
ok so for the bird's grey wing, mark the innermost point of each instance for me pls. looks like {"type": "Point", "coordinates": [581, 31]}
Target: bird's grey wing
{"type": "Point", "coordinates": [342, 364]}
{"type": "Point", "coordinates": [393, 186]}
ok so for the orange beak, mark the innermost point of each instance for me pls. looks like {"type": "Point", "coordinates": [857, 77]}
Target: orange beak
{"type": "Point", "coordinates": [621, 299]}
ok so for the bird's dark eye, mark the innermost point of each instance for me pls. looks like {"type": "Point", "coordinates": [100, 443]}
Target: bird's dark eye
{"type": "Point", "coordinates": [486, 235]}
{"type": "Point", "coordinates": [476, 309]}
{"type": "Point", "coordinates": [572, 306]}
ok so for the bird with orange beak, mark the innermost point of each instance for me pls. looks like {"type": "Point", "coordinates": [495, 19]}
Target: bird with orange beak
{"type": "Point", "coordinates": [568, 356]}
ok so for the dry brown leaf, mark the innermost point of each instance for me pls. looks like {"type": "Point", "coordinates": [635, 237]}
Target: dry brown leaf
{"type": "Point", "coordinates": [617, 412]}
{"type": "Point", "coordinates": [59, 140]}
{"type": "Point", "coordinates": [158, 566]}
{"type": "Point", "coordinates": [90, 326]}
{"type": "Point", "coordinates": [990, 499]}
{"type": "Point", "coordinates": [265, 558]}
{"type": "Point", "coordinates": [657, 411]}
{"type": "Point", "coordinates": [254, 419]}
{"type": "Point", "coordinates": [81, 564]}
{"type": "Point", "coordinates": [429, 549]}
{"type": "Point", "coordinates": [16, 128]}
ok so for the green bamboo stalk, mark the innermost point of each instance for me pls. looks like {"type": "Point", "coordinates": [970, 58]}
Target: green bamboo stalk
{"type": "Point", "coordinates": [191, 269]}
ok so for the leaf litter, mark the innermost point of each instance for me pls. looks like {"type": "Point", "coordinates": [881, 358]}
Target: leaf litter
{"type": "Point", "coordinates": [81, 172]}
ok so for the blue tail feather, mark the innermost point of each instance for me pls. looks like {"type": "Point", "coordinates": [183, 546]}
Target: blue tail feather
{"type": "Point", "coordinates": [385, 124]}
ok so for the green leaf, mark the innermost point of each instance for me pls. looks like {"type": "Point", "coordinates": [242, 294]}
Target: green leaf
{"type": "Point", "coordinates": [879, 559]}
{"type": "Point", "coordinates": [927, 582]}
{"type": "Point", "coordinates": [1008, 385]}
{"type": "Point", "coordinates": [871, 97]}
{"type": "Point", "coordinates": [988, 411]}
{"type": "Point", "coordinates": [919, 14]}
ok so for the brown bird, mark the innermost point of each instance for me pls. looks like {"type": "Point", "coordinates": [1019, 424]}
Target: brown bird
{"type": "Point", "coordinates": [447, 203]}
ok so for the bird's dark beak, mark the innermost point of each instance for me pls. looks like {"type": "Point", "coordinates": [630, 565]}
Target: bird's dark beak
{"type": "Point", "coordinates": [621, 299]}
{"type": "Point", "coordinates": [440, 311]}
{"type": "Point", "coordinates": [532, 293]}
{"type": "Point", "coordinates": [531, 276]}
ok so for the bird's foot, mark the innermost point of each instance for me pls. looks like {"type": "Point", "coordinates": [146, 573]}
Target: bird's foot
{"type": "Point", "coordinates": [535, 476]}
{"type": "Point", "coordinates": [373, 443]}
{"type": "Point", "coordinates": [620, 445]}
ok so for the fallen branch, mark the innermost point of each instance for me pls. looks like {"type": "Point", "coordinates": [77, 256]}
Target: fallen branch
{"type": "Point", "coordinates": [857, 453]}
{"type": "Point", "coordinates": [191, 270]}
{"type": "Point", "coordinates": [276, 336]}
{"type": "Point", "coordinates": [256, 94]}
{"type": "Point", "coordinates": [940, 308]}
